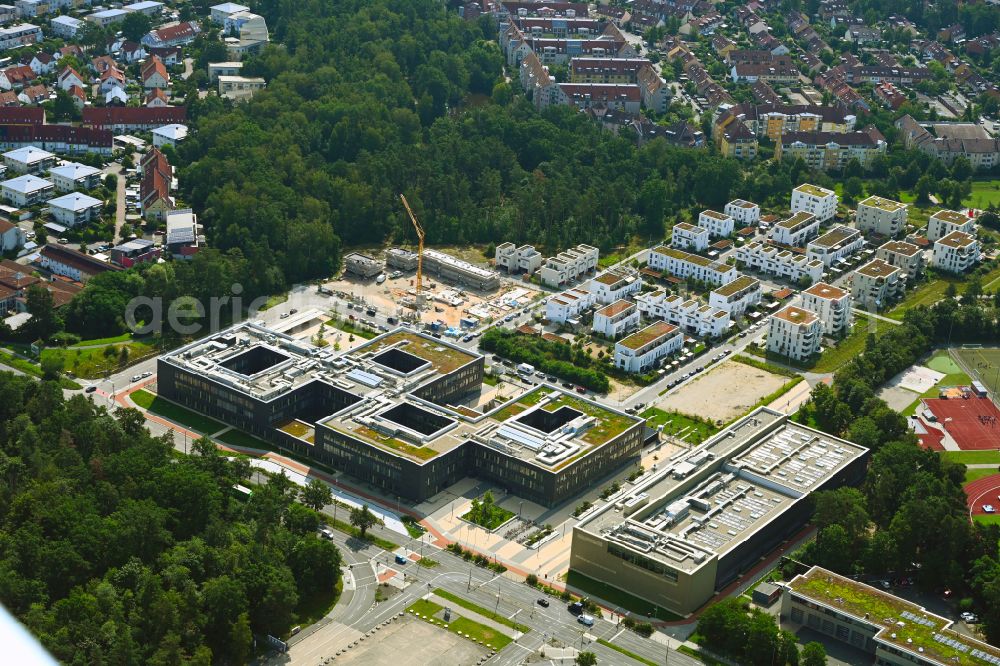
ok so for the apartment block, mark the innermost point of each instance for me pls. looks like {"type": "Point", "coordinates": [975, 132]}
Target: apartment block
{"type": "Point", "coordinates": [685, 265]}
{"type": "Point", "coordinates": [794, 231]}
{"type": "Point", "coordinates": [944, 222]}
{"type": "Point", "coordinates": [876, 284]}
{"type": "Point", "coordinates": [690, 315]}
{"type": "Point", "coordinates": [570, 265]}
{"type": "Point", "coordinates": [362, 264]}
{"type": "Point", "coordinates": [568, 305]}
{"type": "Point", "coordinates": [718, 224]}
{"type": "Point", "coordinates": [616, 319]}
{"type": "Point", "coordinates": [794, 332]}
{"type": "Point", "coordinates": [702, 519]}
{"type": "Point", "coordinates": [827, 151]}
{"type": "Point", "coordinates": [460, 271]}
{"type": "Point", "coordinates": [642, 350]}
{"type": "Point", "coordinates": [816, 200]}
{"type": "Point", "coordinates": [686, 236]}
{"type": "Point", "coordinates": [956, 253]}
{"type": "Point", "coordinates": [881, 216]}
{"type": "Point", "coordinates": [834, 245]}
{"type": "Point", "coordinates": [615, 285]}
{"type": "Point", "coordinates": [775, 261]}
{"type": "Point", "coordinates": [832, 305]}
{"type": "Point", "coordinates": [745, 213]}
{"type": "Point", "coordinates": [736, 297]}
{"type": "Point", "coordinates": [901, 254]}
{"type": "Point", "coordinates": [514, 259]}
{"type": "Point", "coordinates": [891, 630]}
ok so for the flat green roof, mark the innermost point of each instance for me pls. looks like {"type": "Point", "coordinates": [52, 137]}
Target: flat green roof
{"type": "Point", "coordinates": [888, 205]}
{"type": "Point", "coordinates": [441, 355]}
{"type": "Point", "coordinates": [814, 190]}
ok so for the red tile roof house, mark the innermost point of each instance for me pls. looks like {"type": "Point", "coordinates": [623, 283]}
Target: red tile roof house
{"type": "Point", "coordinates": [157, 99]}
{"type": "Point", "coordinates": [16, 77]}
{"type": "Point", "coordinates": [154, 74]}
{"type": "Point", "coordinates": [174, 35]}
{"type": "Point", "coordinates": [127, 119]}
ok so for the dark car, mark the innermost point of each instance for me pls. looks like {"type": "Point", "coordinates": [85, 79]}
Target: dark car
{"type": "Point", "coordinates": [576, 607]}
{"type": "Point", "coordinates": [90, 389]}
{"type": "Point", "coordinates": [543, 602]}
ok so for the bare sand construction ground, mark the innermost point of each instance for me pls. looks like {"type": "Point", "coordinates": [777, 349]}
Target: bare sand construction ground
{"type": "Point", "coordinates": [724, 393]}
{"type": "Point", "coordinates": [411, 642]}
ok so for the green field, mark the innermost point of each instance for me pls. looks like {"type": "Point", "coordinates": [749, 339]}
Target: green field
{"type": "Point", "coordinates": [993, 519]}
{"type": "Point", "coordinates": [235, 437]}
{"type": "Point", "coordinates": [977, 473]}
{"type": "Point", "coordinates": [833, 358]}
{"type": "Point", "coordinates": [613, 597]}
{"type": "Point", "coordinates": [97, 362]}
{"type": "Point", "coordinates": [984, 364]}
{"type": "Point", "coordinates": [29, 368]}
{"type": "Point", "coordinates": [174, 412]}
{"type": "Point", "coordinates": [984, 193]}
{"type": "Point", "coordinates": [943, 362]}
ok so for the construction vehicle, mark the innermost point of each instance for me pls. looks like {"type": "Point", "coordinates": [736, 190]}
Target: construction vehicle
{"type": "Point", "coordinates": [420, 251]}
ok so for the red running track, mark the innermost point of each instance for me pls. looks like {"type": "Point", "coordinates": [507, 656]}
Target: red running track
{"type": "Point", "coordinates": [983, 491]}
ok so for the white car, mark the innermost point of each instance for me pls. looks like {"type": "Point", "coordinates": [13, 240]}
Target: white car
{"type": "Point", "coordinates": [969, 617]}
{"type": "Point", "coordinates": [988, 508]}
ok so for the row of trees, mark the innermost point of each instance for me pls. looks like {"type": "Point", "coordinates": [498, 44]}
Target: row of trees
{"type": "Point", "coordinates": [883, 527]}
{"type": "Point", "coordinates": [734, 629]}
{"type": "Point", "coordinates": [116, 550]}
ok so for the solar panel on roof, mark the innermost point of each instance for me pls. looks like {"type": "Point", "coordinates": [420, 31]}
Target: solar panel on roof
{"type": "Point", "coordinates": [365, 378]}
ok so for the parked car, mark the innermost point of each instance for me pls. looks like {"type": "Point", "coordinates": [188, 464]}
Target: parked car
{"type": "Point", "coordinates": [970, 618]}
{"type": "Point", "coordinates": [136, 378]}
{"type": "Point", "coordinates": [90, 389]}
{"type": "Point", "coordinates": [543, 602]}
{"type": "Point", "coordinates": [575, 608]}
{"type": "Point", "coordinates": [580, 389]}
{"type": "Point", "coordinates": [587, 620]}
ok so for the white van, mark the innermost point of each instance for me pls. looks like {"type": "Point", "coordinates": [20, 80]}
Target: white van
{"type": "Point", "coordinates": [525, 369]}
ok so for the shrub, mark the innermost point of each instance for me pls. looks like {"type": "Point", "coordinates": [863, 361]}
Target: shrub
{"type": "Point", "coordinates": [532, 580]}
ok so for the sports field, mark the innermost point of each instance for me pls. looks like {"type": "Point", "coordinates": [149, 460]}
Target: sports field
{"type": "Point", "coordinates": [984, 364]}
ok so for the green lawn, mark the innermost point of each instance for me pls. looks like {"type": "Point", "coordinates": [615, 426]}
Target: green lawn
{"type": "Point", "coordinates": [29, 368]}
{"type": "Point", "coordinates": [174, 412]}
{"type": "Point", "coordinates": [351, 530]}
{"type": "Point", "coordinates": [94, 363]}
{"type": "Point", "coordinates": [928, 293]}
{"type": "Point", "coordinates": [977, 473]}
{"type": "Point", "coordinates": [627, 653]}
{"type": "Point", "coordinates": [349, 328]}
{"type": "Point", "coordinates": [124, 337]}
{"type": "Point", "coordinates": [485, 612]}
{"type": "Point", "coordinates": [833, 358]}
{"type": "Point", "coordinates": [275, 300]}
{"type": "Point", "coordinates": [432, 612]}
{"type": "Point", "coordinates": [973, 457]}
{"type": "Point", "coordinates": [984, 193]}
{"type": "Point", "coordinates": [943, 362]}
{"type": "Point", "coordinates": [695, 430]}
{"type": "Point", "coordinates": [613, 597]}
{"type": "Point", "coordinates": [993, 519]}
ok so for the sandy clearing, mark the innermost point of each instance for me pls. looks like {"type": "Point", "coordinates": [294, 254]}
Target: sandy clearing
{"type": "Point", "coordinates": [724, 393]}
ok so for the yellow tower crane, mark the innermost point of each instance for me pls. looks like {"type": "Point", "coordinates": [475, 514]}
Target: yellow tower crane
{"type": "Point", "coordinates": [420, 250]}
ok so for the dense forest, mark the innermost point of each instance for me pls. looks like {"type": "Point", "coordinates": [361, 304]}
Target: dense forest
{"type": "Point", "coordinates": [116, 550]}
{"type": "Point", "coordinates": [911, 511]}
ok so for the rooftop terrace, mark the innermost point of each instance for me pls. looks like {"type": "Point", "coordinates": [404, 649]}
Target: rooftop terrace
{"type": "Point", "coordinates": [814, 190]}
{"type": "Point", "coordinates": [888, 205]}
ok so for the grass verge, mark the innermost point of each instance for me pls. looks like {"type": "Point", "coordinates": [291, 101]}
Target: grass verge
{"type": "Point", "coordinates": [353, 531]}
{"type": "Point", "coordinates": [851, 346]}
{"type": "Point", "coordinates": [612, 596]}
{"type": "Point", "coordinates": [427, 562]}
{"type": "Point", "coordinates": [972, 457]}
{"type": "Point", "coordinates": [431, 612]}
{"type": "Point", "coordinates": [697, 654]}
{"type": "Point", "coordinates": [987, 520]}
{"type": "Point", "coordinates": [351, 329]}
{"type": "Point", "coordinates": [765, 366]}
{"type": "Point", "coordinates": [485, 612]}
{"type": "Point", "coordinates": [631, 655]}
{"type": "Point", "coordinates": [235, 437]}
{"type": "Point", "coordinates": [174, 412]}
{"type": "Point", "coordinates": [979, 473]}
{"type": "Point", "coordinates": [314, 607]}
{"type": "Point", "coordinates": [29, 368]}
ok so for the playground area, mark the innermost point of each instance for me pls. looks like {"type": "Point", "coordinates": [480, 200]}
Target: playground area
{"type": "Point", "coordinates": [971, 421]}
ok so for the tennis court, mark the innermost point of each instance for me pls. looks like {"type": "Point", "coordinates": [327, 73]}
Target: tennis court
{"type": "Point", "coordinates": [984, 364]}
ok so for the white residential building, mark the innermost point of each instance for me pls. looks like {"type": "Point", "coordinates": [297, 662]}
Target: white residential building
{"type": "Point", "coordinates": [881, 216]}
{"type": "Point", "coordinates": [796, 230]}
{"type": "Point", "coordinates": [944, 222]}
{"type": "Point", "coordinates": [832, 305]}
{"type": "Point", "coordinates": [876, 284]}
{"type": "Point", "coordinates": [74, 209]}
{"type": "Point", "coordinates": [12, 237]}
{"type": "Point", "coordinates": [107, 17]}
{"type": "Point", "coordinates": [686, 236]}
{"type": "Point", "coordinates": [745, 213]}
{"type": "Point", "coordinates": [736, 297]}
{"type": "Point", "coordinates": [217, 69]}
{"type": "Point", "coordinates": [74, 176]}
{"type": "Point", "coordinates": [615, 319]}
{"type": "Point", "coordinates": [795, 333]}
{"type": "Point", "coordinates": [19, 35]}
{"type": "Point", "coordinates": [685, 265]}
{"type": "Point", "coordinates": [903, 255]}
{"type": "Point", "coordinates": [718, 224]}
{"type": "Point", "coordinates": [66, 27]}
{"type": "Point", "coordinates": [612, 286]}
{"type": "Point", "coordinates": [819, 201]}
{"type": "Point", "coordinates": [691, 316]}
{"type": "Point", "coordinates": [836, 244]}
{"type": "Point", "coordinates": [570, 265]}
{"type": "Point", "coordinates": [775, 261]}
{"type": "Point", "coordinates": [146, 7]}
{"type": "Point", "coordinates": [219, 13]}
{"type": "Point", "coordinates": [169, 135]}
{"type": "Point", "coordinates": [239, 88]}
{"type": "Point", "coordinates": [568, 305]}
{"type": "Point", "coordinates": [956, 253]}
{"type": "Point", "coordinates": [642, 350]}
{"type": "Point", "coordinates": [25, 190]}
{"type": "Point", "coordinates": [29, 160]}
{"type": "Point", "coordinates": [513, 259]}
